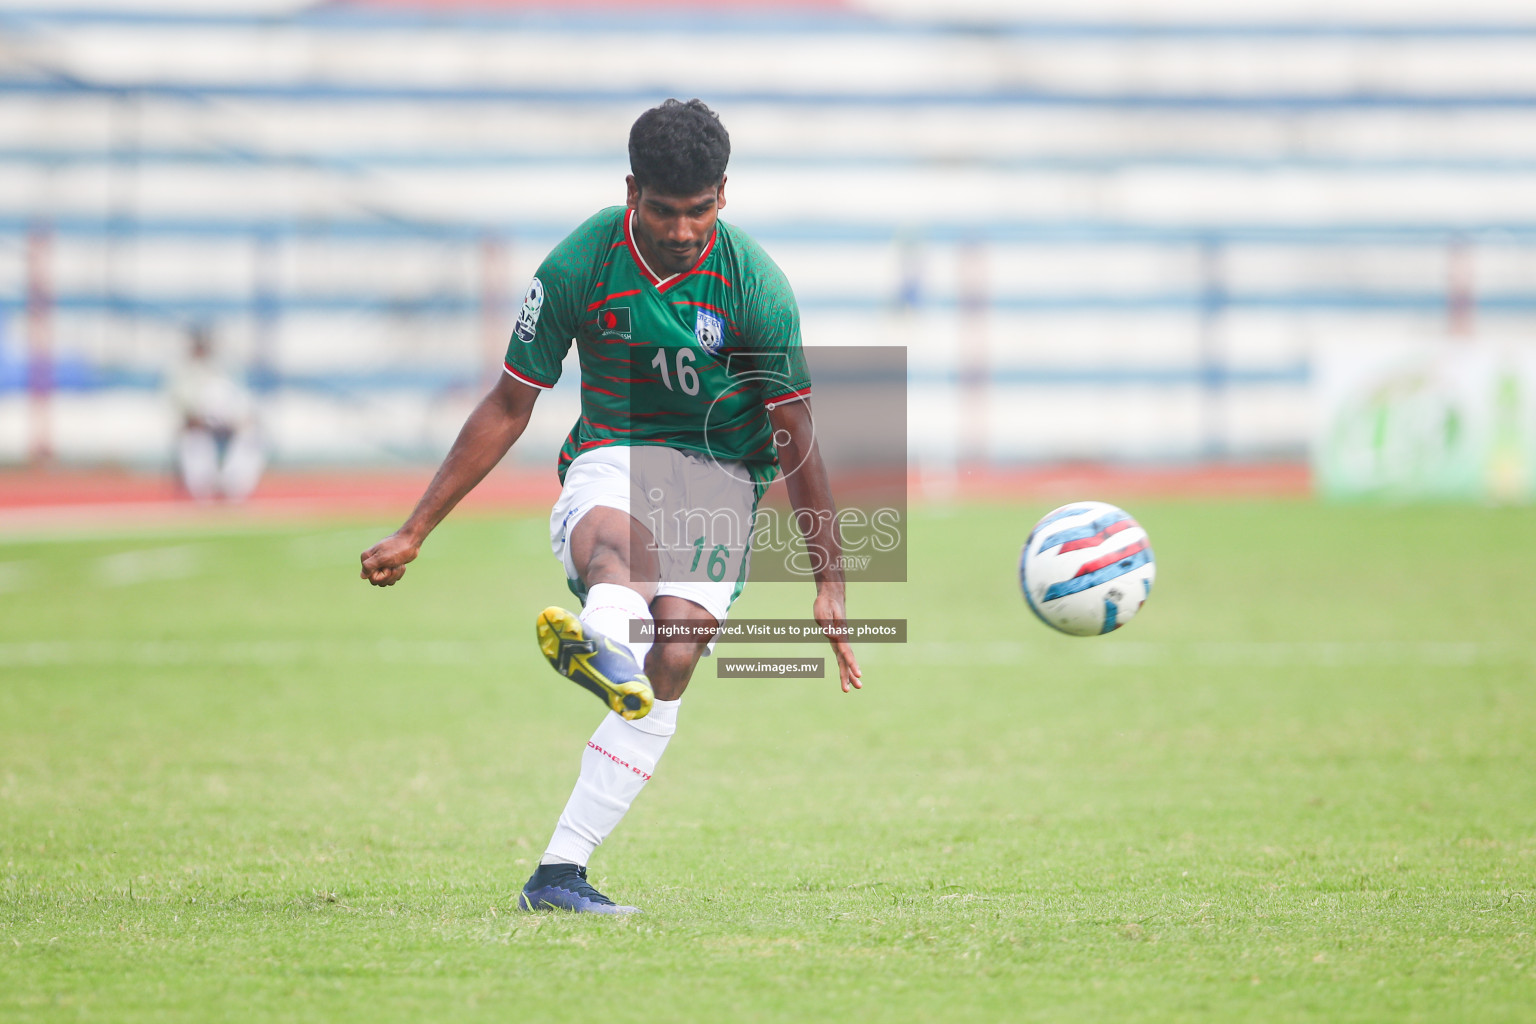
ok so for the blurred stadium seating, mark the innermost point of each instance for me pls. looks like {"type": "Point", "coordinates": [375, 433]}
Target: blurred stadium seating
{"type": "Point", "coordinates": [1109, 239]}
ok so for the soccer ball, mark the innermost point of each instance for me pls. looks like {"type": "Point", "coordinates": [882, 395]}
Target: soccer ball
{"type": "Point", "coordinates": [1086, 568]}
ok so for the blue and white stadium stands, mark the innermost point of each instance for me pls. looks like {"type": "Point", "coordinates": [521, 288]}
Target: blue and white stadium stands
{"type": "Point", "coordinates": [1105, 238]}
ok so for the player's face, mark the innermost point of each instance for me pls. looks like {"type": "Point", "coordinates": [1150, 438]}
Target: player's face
{"type": "Point", "coordinates": [672, 231]}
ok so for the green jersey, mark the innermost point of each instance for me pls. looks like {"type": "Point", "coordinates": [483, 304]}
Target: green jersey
{"type": "Point", "coordinates": [691, 361]}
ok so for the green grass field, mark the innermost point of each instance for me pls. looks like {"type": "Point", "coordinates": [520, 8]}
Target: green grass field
{"type": "Point", "coordinates": [237, 783]}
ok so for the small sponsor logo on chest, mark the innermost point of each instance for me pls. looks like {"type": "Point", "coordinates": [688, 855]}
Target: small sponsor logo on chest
{"type": "Point", "coordinates": [614, 322]}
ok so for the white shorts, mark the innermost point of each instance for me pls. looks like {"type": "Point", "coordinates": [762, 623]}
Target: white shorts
{"type": "Point", "coordinates": [699, 512]}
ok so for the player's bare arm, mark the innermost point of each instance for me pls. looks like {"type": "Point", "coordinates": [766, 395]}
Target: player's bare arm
{"type": "Point", "coordinates": [810, 496]}
{"type": "Point", "coordinates": [489, 432]}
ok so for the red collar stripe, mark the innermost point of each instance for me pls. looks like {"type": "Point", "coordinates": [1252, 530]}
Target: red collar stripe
{"type": "Point", "coordinates": [662, 283]}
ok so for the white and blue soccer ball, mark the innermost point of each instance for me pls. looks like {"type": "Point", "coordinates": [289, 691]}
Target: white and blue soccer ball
{"type": "Point", "coordinates": [1087, 568]}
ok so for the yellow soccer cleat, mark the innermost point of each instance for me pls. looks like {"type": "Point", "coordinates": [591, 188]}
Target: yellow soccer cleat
{"type": "Point", "coordinates": [591, 660]}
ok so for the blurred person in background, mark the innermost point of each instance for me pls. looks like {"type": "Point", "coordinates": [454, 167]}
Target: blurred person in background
{"type": "Point", "coordinates": [218, 448]}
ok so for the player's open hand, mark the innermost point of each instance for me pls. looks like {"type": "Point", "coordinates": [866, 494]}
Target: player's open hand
{"type": "Point", "coordinates": [831, 613]}
{"type": "Point", "coordinates": [385, 562]}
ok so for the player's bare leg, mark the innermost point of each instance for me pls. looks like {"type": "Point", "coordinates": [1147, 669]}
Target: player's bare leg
{"type": "Point", "coordinates": [610, 546]}
{"type": "Point", "coordinates": [670, 663]}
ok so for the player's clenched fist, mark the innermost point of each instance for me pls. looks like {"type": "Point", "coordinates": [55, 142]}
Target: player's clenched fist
{"type": "Point", "coordinates": [385, 562]}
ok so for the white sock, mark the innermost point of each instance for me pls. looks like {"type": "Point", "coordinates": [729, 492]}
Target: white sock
{"type": "Point", "coordinates": [619, 760]}
{"type": "Point", "coordinates": [610, 608]}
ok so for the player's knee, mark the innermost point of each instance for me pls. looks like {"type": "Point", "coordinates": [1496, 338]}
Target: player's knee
{"type": "Point", "coordinates": [669, 667]}
{"type": "Point", "coordinates": [673, 659]}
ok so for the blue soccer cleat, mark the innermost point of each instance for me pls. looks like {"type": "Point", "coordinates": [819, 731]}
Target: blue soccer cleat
{"type": "Point", "coordinates": [565, 887]}
{"type": "Point", "coordinates": [591, 660]}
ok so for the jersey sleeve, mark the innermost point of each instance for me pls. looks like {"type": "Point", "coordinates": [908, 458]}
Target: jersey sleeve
{"type": "Point", "coordinates": [547, 321]}
{"type": "Point", "coordinates": [770, 329]}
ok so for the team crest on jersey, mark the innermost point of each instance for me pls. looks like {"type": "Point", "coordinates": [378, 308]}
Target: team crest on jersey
{"type": "Point", "coordinates": [613, 322]}
{"type": "Point", "coordinates": [528, 316]}
{"type": "Point", "coordinates": [710, 330]}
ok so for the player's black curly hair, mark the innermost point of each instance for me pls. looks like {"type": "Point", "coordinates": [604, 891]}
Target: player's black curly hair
{"type": "Point", "coordinates": [678, 149]}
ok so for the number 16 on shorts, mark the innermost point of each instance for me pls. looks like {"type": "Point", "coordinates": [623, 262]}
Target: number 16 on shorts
{"type": "Point", "coordinates": [717, 563]}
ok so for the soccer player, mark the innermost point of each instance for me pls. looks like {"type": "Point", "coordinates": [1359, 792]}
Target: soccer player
{"type": "Point", "coordinates": [694, 395]}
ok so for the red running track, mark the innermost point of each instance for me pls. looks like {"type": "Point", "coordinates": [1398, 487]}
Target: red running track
{"type": "Point", "coordinates": [33, 500]}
